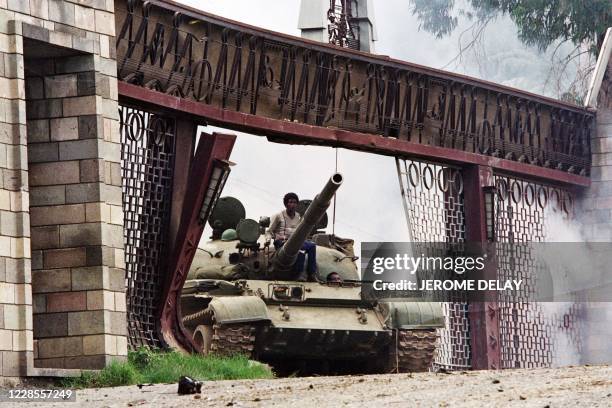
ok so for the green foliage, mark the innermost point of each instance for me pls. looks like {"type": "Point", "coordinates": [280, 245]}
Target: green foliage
{"type": "Point", "coordinates": [168, 367]}
{"type": "Point", "coordinates": [435, 16]}
{"type": "Point", "coordinates": [115, 374]}
{"type": "Point", "coordinates": [540, 22]}
{"type": "Point", "coordinates": [573, 97]}
{"type": "Point", "coordinates": [147, 366]}
{"type": "Point", "coordinates": [142, 357]}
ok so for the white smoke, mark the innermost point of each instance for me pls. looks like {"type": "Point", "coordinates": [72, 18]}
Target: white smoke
{"type": "Point", "coordinates": [579, 330]}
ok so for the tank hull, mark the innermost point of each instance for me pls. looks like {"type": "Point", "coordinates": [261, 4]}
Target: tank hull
{"type": "Point", "coordinates": [311, 335]}
{"type": "Point", "coordinates": [288, 320]}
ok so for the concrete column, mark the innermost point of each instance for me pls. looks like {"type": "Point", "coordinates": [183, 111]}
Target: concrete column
{"type": "Point", "coordinates": [16, 337]}
{"type": "Point", "coordinates": [596, 202]}
{"type": "Point", "coordinates": [483, 315]}
{"type": "Point", "coordinates": [594, 206]}
{"type": "Point", "coordinates": [76, 212]}
{"type": "Point", "coordinates": [367, 27]}
{"type": "Point", "coordinates": [62, 301]}
{"type": "Point", "coordinates": [312, 20]}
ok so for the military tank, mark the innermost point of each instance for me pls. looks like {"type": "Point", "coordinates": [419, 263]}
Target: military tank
{"type": "Point", "coordinates": [241, 296]}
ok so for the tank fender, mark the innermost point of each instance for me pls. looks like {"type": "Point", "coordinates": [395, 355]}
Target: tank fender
{"type": "Point", "coordinates": [239, 309]}
{"type": "Point", "coordinates": [412, 315]}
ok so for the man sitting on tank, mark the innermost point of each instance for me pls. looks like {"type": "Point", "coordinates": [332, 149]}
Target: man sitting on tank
{"type": "Point", "coordinates": [282, 226]}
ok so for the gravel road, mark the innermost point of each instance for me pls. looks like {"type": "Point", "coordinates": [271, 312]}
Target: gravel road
{"type": "Point", "coordinates": [561, 387]}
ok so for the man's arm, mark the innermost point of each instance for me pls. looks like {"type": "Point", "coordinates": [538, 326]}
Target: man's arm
{"type": "Point", "coordinates": [271, 233]}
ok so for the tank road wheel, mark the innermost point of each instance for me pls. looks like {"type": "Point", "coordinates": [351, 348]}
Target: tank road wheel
{"type": "Point", "coordinates": [202, 337]}
{"type": "Point", "coordinates": [413, 350]}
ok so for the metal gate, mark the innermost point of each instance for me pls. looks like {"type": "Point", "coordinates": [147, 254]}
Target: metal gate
{"type": "Point", "coordinates": [147, 163]}
{"type": "Point", "coordinates": [432, 195]}
{"type": "Point", "coordinates": [529, 331]}
{"type": "Point", "coordinates": [293, 91]}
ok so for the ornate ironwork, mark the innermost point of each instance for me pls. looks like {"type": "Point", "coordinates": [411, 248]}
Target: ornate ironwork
{"type": "Point", "coordinates": [433, 201]}
{"type": "Point", "coordinates": [529, 331]}
{"type": "Point", "coordinates": [147, 163]}
{"type": "Point", "coordinates": [343, 29]}
{"type": "Point", "coordinates": [219, 63]}
{"type": "Point", "coordinates": [223, 65]}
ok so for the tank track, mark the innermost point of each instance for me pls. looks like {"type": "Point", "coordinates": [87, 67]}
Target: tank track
{"type": "Point", "coordinates": [192, 319]}
{"type": "Point", "coordinates": [227, 339]}
{"type": "Point", "coordinates": [414, 350]}
{"type": "Point", "coordinates": [233, 339]}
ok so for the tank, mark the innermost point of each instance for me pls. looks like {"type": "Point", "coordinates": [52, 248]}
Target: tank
{"type": "Point", "coordinates": [241, 296]}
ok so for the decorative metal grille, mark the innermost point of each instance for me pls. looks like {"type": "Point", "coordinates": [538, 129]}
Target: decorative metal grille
{"type": "Point", "coordinates": [433, 202]}
{"type": "Point", "coordinates": [210, 61]}
{"type": "Point", "coordinates": [147, 163]}
{"type": "Point", "coordinates": [343, 30]}
{"type": "Point", "coordinates": [530, 332]}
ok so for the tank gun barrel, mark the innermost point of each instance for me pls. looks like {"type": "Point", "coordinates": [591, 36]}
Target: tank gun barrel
{"type": "Point", "coordinates": [287, 255]}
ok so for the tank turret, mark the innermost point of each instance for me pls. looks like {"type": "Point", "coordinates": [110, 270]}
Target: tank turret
{"type": "Point", "coordinates": [286, 256]}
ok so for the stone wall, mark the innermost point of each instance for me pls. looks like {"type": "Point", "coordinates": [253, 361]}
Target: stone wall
{"type": "Point", "coordinates": [595, 216]}
{"type": "Point", "coordinates": [62, 301]}
{"type": "Point", "coordinates": [75, 214]}
{"type": "Point", "coordinates": [596, 202]}
{"type": "Point", "coordinates": [16, 340]}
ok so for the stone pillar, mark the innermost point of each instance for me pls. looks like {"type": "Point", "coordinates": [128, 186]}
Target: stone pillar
{"type": "Point", "coordinates": [596, 202]}
{"type": "Point", "coordinates": [75, 211]}
{"type": "Point", "coordinates": [595, 206]}
{"type": "Point", "coordinates": [312, 20]}
{"type": "Point", "coordinates": [367, 26]}
{"type": "Point", "coordinates": [16, 338]}
{"type": "Point", "coordinates": [62, 292]}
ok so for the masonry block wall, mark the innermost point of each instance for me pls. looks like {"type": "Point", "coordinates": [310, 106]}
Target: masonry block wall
{"type": "Point", "coordinates": [62, 290]}
{"type": "Point", "coordinates": [595, 215]}
{"type": "Point", "coordinates": [16, 337]}
{"type": "Point", "coordinates": [76, 213]}
{"type": "Point", "coordinates": [596, 203]}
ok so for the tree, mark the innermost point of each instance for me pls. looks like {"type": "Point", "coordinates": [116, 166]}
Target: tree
{"type": "Point", "coordinates": [540, 22]}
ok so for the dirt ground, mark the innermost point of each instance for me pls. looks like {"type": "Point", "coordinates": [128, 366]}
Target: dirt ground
{"type": "Point", "coordinates": [573, 386]}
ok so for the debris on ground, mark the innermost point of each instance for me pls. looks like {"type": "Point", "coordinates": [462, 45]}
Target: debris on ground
{"type": "Point", "coordinates": [575, 386]}
{"type": "Point", "coordinates": [188, 385]}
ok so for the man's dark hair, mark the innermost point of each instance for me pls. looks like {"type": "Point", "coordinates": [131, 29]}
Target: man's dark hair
{"type": "Point", "coordinates": [289, 196]}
